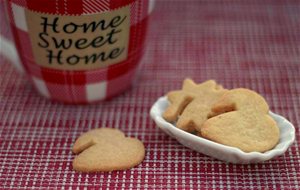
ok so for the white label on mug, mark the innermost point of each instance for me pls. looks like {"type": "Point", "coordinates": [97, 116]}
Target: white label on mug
{"type": "Point", "coordinates": [79, 42]}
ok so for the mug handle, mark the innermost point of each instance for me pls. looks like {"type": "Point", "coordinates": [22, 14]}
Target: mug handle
{"type": "Point", "coordinates": [8, 50]}
{"type": "Point", "coordinates": [7, 47]}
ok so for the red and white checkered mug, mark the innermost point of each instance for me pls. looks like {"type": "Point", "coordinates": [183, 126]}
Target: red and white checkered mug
{"type": "Point", "coordinates": [78, 51]}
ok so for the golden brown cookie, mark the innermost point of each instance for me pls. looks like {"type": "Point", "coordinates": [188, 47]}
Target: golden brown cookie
{"type": "Point", "coordinates": [106, 149]}
{"type": "Point", "coordinates": [179, 99]}
{"type": "Point", "coordinates": [197, 111]}
{"type": "Point", "coordinates": [241, 120]}
{"type": "Point", "coordinates": [240, 99]}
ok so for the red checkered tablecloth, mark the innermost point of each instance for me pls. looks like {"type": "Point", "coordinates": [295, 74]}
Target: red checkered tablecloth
{"type": "Point", "coordinates": [253, 44]}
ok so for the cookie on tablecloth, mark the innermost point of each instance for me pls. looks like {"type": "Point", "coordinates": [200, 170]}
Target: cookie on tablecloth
{"type": "Point", "coordinates": [107, 149]}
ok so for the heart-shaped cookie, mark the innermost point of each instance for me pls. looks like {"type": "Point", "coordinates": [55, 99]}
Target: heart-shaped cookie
{"type": "Point", "coordinates": [241, 120]}
{"type": "Point", "coordinates": [106, 149]}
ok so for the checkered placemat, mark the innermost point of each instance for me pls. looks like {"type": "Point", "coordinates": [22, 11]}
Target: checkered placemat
{"type": "Point", "coordinates": [253, 44]}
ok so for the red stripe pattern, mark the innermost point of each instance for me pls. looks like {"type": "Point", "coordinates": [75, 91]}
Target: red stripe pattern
{"type": "Point", "coordinates": [93, 6]}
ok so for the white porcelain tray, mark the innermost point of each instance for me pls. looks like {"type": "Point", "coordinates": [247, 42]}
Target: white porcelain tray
{"type": "Point", "coordinates": [219, 151]}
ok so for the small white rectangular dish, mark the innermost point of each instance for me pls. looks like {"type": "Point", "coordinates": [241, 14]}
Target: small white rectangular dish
{"type": "Point", "coordinates": [219, 151]}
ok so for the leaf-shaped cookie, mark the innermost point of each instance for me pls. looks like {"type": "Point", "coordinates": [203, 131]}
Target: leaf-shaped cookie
{"type": "Point", "coordinates": [179, 99]}
{"type": "Point", "coordinates": [106, 149]}
{"type": "Point", "coordinates": [198, 110]}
